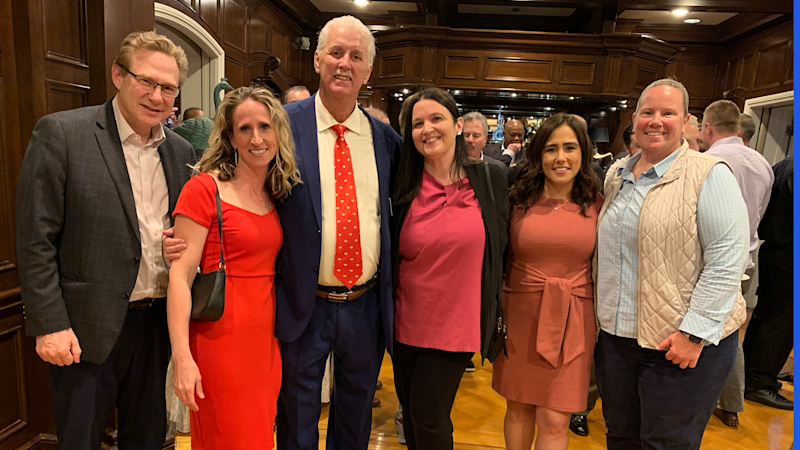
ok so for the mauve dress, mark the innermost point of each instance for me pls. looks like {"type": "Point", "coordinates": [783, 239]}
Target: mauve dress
{"type": "Point", "coordinates": [548, 307]}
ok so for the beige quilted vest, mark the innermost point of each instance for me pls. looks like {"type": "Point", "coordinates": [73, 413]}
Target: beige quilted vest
{"type": "Point", "coordinates": [670, 256]}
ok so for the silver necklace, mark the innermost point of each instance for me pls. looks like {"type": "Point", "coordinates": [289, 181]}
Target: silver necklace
{"type": "Point", "coordinates": [555, 208]}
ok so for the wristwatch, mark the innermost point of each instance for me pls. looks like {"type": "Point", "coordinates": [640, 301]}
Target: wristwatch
{"type": "Point", "coordinates": [693, 338]}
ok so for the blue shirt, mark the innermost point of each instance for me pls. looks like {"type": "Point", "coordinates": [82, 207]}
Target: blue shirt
{"type": "Point", "coordinates": [723, 229]}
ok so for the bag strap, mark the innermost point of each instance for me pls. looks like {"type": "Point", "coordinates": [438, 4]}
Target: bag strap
{"type": "Point", "coordinates": [489, 181]}
{"type": "Point", "coordinates": [219, 225]}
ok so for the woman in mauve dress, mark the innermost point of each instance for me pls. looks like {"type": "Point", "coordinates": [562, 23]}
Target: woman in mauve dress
{"type": "Point", "coordinates": [547, 293]}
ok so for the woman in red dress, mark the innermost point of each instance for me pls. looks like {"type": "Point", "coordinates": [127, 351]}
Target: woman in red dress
{"type": "Point", "coordinates": [547, 294]}
{"type": "Point", "coordinates": [228, 372]}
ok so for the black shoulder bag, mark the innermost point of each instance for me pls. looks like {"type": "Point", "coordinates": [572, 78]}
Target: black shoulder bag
{"type": "Point", "coordinates": [499, 333]}
{"type": "Point", "coordinates": [208, 289]}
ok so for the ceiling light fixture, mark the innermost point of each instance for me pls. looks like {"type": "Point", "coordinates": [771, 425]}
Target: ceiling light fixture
{"type": "Point", "coordinates": [361, 2]}
{"type": "Point", "coordinates": [405, 91]}
{"type": "Point", "coordinates": [456, 92]}
{"type": "Point", "coordinates": [680, 12]}
{"type": "Point", "coordinates": [691, 21]}
{"type": "Point", "coordinates": [513, 94]}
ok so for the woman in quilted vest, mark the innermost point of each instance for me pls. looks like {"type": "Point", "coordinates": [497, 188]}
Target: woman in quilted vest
{"type": "Point", "coordinates": [548, 288]}
{"type": "Point", "coordinates": [672, 247]}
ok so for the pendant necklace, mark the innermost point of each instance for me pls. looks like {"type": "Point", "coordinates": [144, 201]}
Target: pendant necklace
{"type": "Point", "coordinates": [555, 208]}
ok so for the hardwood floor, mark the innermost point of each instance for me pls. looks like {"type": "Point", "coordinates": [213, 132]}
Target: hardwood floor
{"type": "Point", "coordinates": [478, 420]}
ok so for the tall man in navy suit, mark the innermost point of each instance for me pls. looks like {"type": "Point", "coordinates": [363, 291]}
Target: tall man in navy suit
{"type": "Point", "coordinates": [334, 287]}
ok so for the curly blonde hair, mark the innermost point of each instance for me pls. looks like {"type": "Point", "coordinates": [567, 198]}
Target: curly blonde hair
{"type": "Point", "coordinates": [221, 156]}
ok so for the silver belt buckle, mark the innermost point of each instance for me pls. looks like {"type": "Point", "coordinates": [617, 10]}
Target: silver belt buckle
{"type": "Point", "coordinates": [338, 298]}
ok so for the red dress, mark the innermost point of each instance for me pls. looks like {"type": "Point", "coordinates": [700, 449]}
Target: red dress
{"type": "Point", "coordinates": [238, 355]}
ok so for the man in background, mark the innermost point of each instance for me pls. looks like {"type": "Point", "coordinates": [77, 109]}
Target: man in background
{"type": "Point", "coordinates": [510, 151]}
{"type": "Point", "coordinates": [476, 131]}
{"type": "Point", "coordinates": [295, 94]}
{"type": "Point", "coordinates": [747, 128]}
{"type": "Point", "coordinates": [191, 113]}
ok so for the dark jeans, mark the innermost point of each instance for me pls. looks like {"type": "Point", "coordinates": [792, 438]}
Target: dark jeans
{"type": "Point", "coordinates": [768, 340]}
{"type": "Point", "coordinates": [426, 381]}
{"type": "Point", "coordinates": [132, 379]}
{"type": "Point", "coordinates": [354, 332]}
{"type": "Point", "coordinates": [651, 403]}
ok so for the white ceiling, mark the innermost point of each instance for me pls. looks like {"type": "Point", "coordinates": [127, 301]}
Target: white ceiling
{"type": "Point", "coordinates": [666, 17]}
{"type": "Point", "coordinates": [347, 6]}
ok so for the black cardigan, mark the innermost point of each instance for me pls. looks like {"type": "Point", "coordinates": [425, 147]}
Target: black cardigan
{"type": "Point", "coordinates": [495, 223]}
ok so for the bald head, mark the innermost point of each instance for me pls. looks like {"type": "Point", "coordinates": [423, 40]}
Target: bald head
{"type": "Point", "coordinates": [513, 132]}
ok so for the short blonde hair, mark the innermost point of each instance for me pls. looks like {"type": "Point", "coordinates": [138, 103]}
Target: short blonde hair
{"type": "Point", "coordinates": [724, 116]}
{"type": "Point", "coordinates": [149, 40]}
{"type": "Point", "coordinates": [221, 156]}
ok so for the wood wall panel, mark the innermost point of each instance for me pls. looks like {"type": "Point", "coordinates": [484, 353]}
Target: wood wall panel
{"type": "Point", "coordinates": [770, 66]}
{"type": "Point", "coordinates": [392, 66]}
{"type": "Point", "coordinates": [461, 67]}
{"type": "Point", "coordinates": [65, 32]}
{"type": "Point", "coordinates": [65, 96]}
{"type": "Point", "coordinates": [235, 25]}
{"type": "Point", "coordinates": [513, 69]}
{"type": "Point", "coordinates": [280, 44]}
{"type": "Point", "coordinates": [235, 70]}
{"type": "Point", "coordinates": [700, 80]}
{"type": "Point", "coordinates": [258, 32]}
{"type": "Point", "coordinates": [14, 415]}
{"type": "Point", "coordinates": [209, 14]}
{"type": "Point", "coordinates": [577, 72]}
{"type": "Point", "coordinates": [644, 76]}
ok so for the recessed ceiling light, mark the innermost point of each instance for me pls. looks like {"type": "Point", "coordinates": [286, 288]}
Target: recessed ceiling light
{"type": "Point", "coordinates": [405, 91]}
{"type": "Point", "coordinates": [513, 94]}
{"type": "Point", "coordinates": [361, 2]}
{"type": "Point", "coordinates": [677, 12]}
{"type": "Point", "coordinates": [613, 108]}
{"type": "Point", "coordinates": [691, 21]}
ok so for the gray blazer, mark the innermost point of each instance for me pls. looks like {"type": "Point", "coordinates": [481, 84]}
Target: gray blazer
{"type": "Point", "coordinates": [78, 245]}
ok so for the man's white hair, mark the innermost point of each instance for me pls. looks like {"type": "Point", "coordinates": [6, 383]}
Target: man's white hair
{"type": "Point", "coordinates": [353, 24]}
{"type": "Point", "coordinates": [675, 84]}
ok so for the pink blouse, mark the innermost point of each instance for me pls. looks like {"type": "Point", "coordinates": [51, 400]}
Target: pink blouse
{"type": "Point", "coordinates": [438, 302]}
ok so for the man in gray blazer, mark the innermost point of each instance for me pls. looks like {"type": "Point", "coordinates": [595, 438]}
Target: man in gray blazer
{"type": "Point", "coordinates": [96, 190]}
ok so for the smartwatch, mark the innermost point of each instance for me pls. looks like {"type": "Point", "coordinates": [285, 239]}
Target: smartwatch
{"type": "Point", "coordinates": [693, 338]}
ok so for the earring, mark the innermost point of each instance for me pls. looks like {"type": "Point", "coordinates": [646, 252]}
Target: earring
{"type": "Point", "coordinates": [235, 157]}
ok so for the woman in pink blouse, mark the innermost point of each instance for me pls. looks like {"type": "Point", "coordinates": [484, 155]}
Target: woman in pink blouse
{"type": "Point", "coordinates": [449, 233]}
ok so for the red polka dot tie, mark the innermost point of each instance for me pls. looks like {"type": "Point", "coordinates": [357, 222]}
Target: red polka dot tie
{"type": "Point", "coordinates": [347, 264]}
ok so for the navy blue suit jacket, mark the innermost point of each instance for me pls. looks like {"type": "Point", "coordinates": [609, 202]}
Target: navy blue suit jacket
{"type": "Point", "coordinates": [301, 219]}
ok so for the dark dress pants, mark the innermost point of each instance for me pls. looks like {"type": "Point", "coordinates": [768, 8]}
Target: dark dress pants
{"type": "Point", "coordinates": [651, 403]}
{"type": "Point", "coordinates": [353, 330]}
{"type": "Point", "coordinates": [768, 340]}
{"type": "Point", "coordinates": [132, 379]}
{"type": "Point", "coordinates": [426, 381]}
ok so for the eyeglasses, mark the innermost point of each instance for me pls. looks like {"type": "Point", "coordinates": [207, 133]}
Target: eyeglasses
{"type": "Point", "coordinates": [166, 89]}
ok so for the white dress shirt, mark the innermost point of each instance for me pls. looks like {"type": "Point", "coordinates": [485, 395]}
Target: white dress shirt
{"type": "Point", "coordinates": [362, 155]}
{"type": "Point", "coordinates": [151, 197]}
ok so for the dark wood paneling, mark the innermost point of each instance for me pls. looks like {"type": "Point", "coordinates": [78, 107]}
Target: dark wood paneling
{"type": "Point", "coordinates": [258, 31]}
{"type": "Point", "coordinates": [65, 31]}
{"type": "Point", "coordinates": [770, 66]}
{"type": "Point", "coordinates": [577, 72]}
{"type": "Point", "coordinates": [65, 96]}
{"type": "Point", "coordinates": [14, 414]}
{"type": "Point", "coordinates": [209, 14]}
{"type": "Point", "coordinates": [512, 69]}
{"type": "Point", "coordinates": [235, 71]}
{"type": "Point", "coordinates": [392, 66]}
{"type": "Point", "coordinates": [700, 79]}
{"type": "Point", "coordinates": [235, 25]}
{"type": "Point", "coordinates": [644, 76]}
{"type": "Point", "coordinates": [461, 67]}
{"type": "Point", "coordinates": [279, 44]}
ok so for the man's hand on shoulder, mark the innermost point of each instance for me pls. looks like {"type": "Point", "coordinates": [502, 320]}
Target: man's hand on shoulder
{"type": "Point", "coordinates": [60, 348]}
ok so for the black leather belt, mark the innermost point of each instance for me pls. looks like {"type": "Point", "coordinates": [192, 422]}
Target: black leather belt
{"type": "Point", "coordinates": [340, 294]}
{"type": "Point", "coordinates": [142, 304]}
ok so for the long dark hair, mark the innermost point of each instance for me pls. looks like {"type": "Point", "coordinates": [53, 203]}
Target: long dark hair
{"type": "Point", "coordinates": [529, 186]}
{"type": "Point", "coordinates": [412, 163]}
